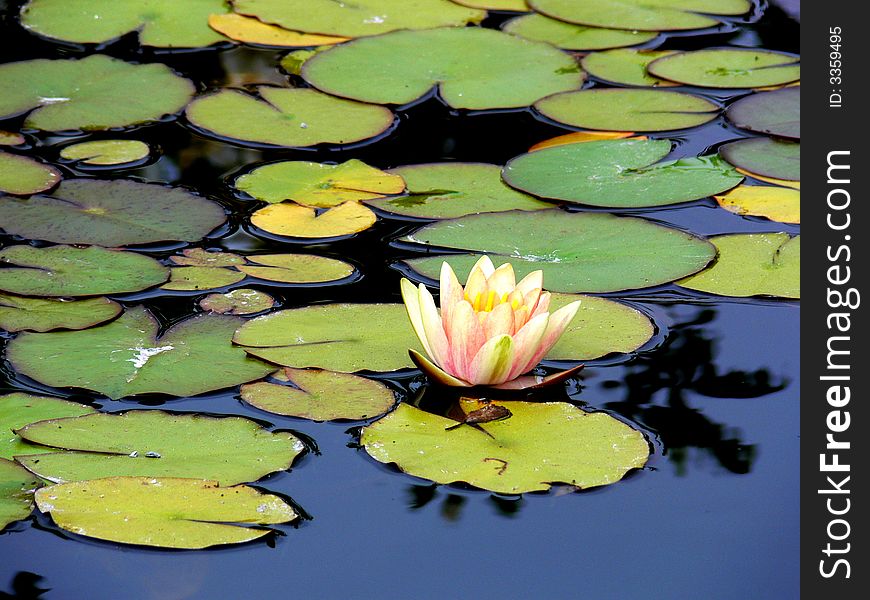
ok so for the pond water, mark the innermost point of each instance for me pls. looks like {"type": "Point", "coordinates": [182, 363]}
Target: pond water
{"type": "Point", "coordinates": [714, 514]}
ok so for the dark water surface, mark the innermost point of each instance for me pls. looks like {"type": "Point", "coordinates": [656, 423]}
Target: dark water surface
{"type": "Point", "coordinates": [713, 516]}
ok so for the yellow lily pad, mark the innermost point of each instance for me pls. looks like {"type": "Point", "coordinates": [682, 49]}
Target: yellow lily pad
{"type": "Point", "coordinates": [774, 203]}
{"type": "Point", "coordinates": [294, 220]}
{"type": "Point", "coordinates": [578, 137]}
{"type": "Point", "coordinates": [795, 185]}
{"type": "Point", "coordinates": [249, 30]}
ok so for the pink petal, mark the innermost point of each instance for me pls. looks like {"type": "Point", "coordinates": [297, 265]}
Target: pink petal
{"type": "Point", "coordinates": [534, 280]}
{"type": "Point", "coordinates": [499, 322]}
{"type": "Point", "coordinates": [502, 281]}
{"type": "Point", "coordinates": [475, 288]}
{"type": "Point", "coordinates": [451, 292]}
{"type": "Point", "coordinates": [466, 337]}
{"type": "Point", "coordinates": [411, 297]}
{"type": "Point", "coordinates": [526, 343]}
{"type": "Point", "coordinates": [493, 361]}
{"type": "Point", "coordinates": [434, 329]}
{"type": "Point", "coordinates": [559, 321]}
{"type": "Point", "coordinates": [484, 265]}
{"type": "Point", "coordinates": [543, 304]}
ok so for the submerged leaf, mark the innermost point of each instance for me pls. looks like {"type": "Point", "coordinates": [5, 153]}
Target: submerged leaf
{"type": "Point", "coordinates": [153, 443]}
{"type": "Point", "coordinates": [168, 512]}
{"type": "Point", "coordinates": [127, 357]}
{"type": "Point", "coordinates": [18, 313]}
{"type": "Point", "coordinates": [16, 492]}
{"type": "Point", "coordinates": [539, 445]}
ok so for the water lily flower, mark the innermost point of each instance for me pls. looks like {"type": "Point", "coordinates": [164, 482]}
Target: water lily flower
{"type": "Point", "coordinates": [489, 332]}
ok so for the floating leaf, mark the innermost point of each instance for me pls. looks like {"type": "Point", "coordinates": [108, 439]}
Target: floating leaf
{"type": "Point", "coordinates": [574, 37]}
{"type": "Point", "coordinates": [191, 279]}
{"type": "Point", "coordinates": [23, 176]}
{"type": "Point", "coordinates": [359, 18]}
{"type": "Point", "coordinates": [111, 213]}
{"type": "Point", "coordinates": [287, 117]}
{"type": "Point", "coordinates": [644, 15]}
{"type": "Point", "coordinates": [473, 68]}
{"type": "Point", "coordinates": [153, 443]}
{"type": "Point", "coordinates": [199, 257]}
{"type": "Point", "coordinates": [68, 271]}
{"type": "Point", "coordinates": [252, 31]}
{"type": "Point", "coordinates": [9, 138]}
{"type": "Point", "coordinates": [16, 492]}
{"type": "Point", "coordinates": [539, 445]}
{"type": "Point", "coordinates": [626, 67]}
{"type": "Point", "coordinates": [582, 252]}
{"type": "Point", "coordinates": [18, 313]}
{"type": "Point", "coordinates": [578, 137]}
{"type": "Point", "coordinates": [511, 5]}
{"type": "Point", "coordinates": [752, 264]}
{"type": "Point", "coordinates": [243, 301]}
{"type": "Point", "coordinates": [447, 190]}
{"type": "Point", "coordinates": [377, 337]}
{"type": "Point", "coordinates": [728, 68]}
{"type": "Point", "coordinates": [106, 152]}
{"type": "Point", "coordinates": [159, 23]}
{"type": "Point", "coordinates": [320, 395]}
{"type": "Point", "coordinates": [187, 514]}
{"type": "Point", "coordinates": [619, 174]}
{"type": "Point", "coordinates": [317, 184]}
{"type": "Point", "coordinates": [795, 185]}
{"type": "Point", "coordinates": [127, 356]}
{"type": "Point", "coordinates": [292, 62]}
{"type": "Point", "coordinates": [628, 110]}
{"type": "Point", "coordinates": [770, 158]}
{"type": "Point", "coordinates": [19, 409]}
{"type": "Point", "coordinates": [296, 268]}
{"type": "Point", "coordinates": [774, 203]}
{"type": "Point", "coordinates": [294, 220]}
{"type": "Point", "coordinates": [96, 92]}
{"type": "Point", "coordinates": [775, 113]}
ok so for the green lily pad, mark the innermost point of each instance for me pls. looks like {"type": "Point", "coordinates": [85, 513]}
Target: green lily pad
{"type": "Point", "coordinates": [447, 190]}
{"type": "Point", "coordinates": [319, 185]}
{"type": "Point", "coordinates": [111, 213]}
{"type": "Point", "coordinates": [774, 113]}
{"type": "Point", "coordinates": [153, 443]}
{"type": "Point", "coordinates": [199, 257]}
{"type": "Point", "coordinates": [619, 174]}
{"type": "Point", "coordinates": [644, 15]}
{"type": "Point", "coordinates": [23, 176]}
{"type": "Point", "coordinates": [59, 271]}
{"type": "Point", "coordinates": [16, 492]}
{"type": "Point", "coordinates": [320, 395]}
{"type": "Point", "coordinates": [103, 153]}
{"type": "Point", "coordinates": [19, 409]}
{"type": "Point", "coordinates": [159, 23]}
{"type": "Point", "coordinates": [187, 514]}
{"type": "Point", "coordinates": [582, 252]}
{"type": "Point", "coordinates": [96, 92]}
{"type": "Point", "coordinates": [474, 68]}
{"type": "Point", "coordinates": [192, 279]}
{"type": "Point", "coordinates": [625, 67]}
{"type": "Point", "coordinates": [296, 268]}
{"type": "Point", "coordinates": [779, 159]}
{"type": "Point", "coordinates": [510, 5]}
{"type": "Point", "coordinates": [18, 313]}
{"type": "Point", "coordinates": [628, 110]}
{"type": "Point", "coordinates": [728, 68]}
{"type": "Point", "coordinates": [243, 301]}
{"type": "Point", "coordinates": [358, 18]}
{"type": "Point", "coordinates": [128, 357]}
{"type": "Point", "coordinates": [10, 138]}
{"type": "Point", "coordinates": [538, 445]}
{"type": "Point", "coordinates": [377, 337]}
{"type": "Point", "coordinates": [574, 37]}
{"type": "Point", "coordinates": [287, 117]}
{"type": "Point", "coordinates": [752, 264]}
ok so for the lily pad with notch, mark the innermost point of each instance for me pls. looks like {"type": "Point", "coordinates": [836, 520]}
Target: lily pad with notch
{"type": "Point", "coordinates": [106, 153]}
{"type": "Point", "coordinates": [625, 67]}
{"type": "Point", "coordinates": [779, 159]}
{"type": "Point", "coordinates": [570, 36]}
{"type": "Point", "coordinates": [68, 271]}
{"type": "Point", "coordinates": [112, 213]}
{"type": "Point", "coordinates": [752, 264]}
{"type": "Point", "coordinates": [294, 220]}
{"type": "Point", "coordinates": [619, 174]}
{"type": "Point", "coordinates": [615, 109]}
{"type": "Point", "coordinates": [20, 313]}
{"type": "Point", "coordinates": [93, 93]}
{"type": "Point", "coordinates": [453, 189]}
{"type": "Point", "coordinates": [130, 356]}
{"type": "Point", "coordinates": [242, 301]}
{"type": "Point", "coordinates": [287, 117]}
{"type": "Point", "coordinates": [186, 514]}
{"type": "Point", "coordinates": [728, 68]}
{"type": "Point", "coordinates": [23, 176]}
{"type": "Point", "coordinates": [19, 409]}
{"type": "Point", "coordinates": [194, 279]}
{"type": "Point", "coordinates": [154, 443]}
{"type": "Point", "coordinates": [771, 202]}
{"type": "Point", "coordinates": [320, 395]}
{"type": "Point", "coordinates": [473, 68]}
{"type": "Point", "coordinates": [776, 112]}
{"type": "Point", "coordinates": [538, 445]}
{"type": "Point", "coordinates": [249, 30]}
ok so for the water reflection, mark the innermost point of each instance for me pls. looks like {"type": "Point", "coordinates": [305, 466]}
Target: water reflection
{"type": "Point", "coordinates": [25, 586]}
{"type": "Point", "coordinates": [451, 504]}
{"type": "Point", "coordinates": [686, 362]}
